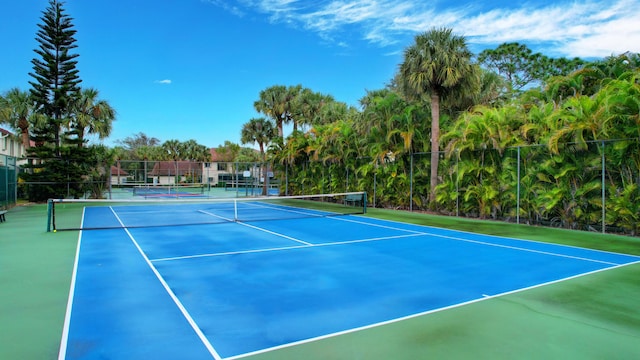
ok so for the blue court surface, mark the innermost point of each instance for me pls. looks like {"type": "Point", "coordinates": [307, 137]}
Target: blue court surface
{"type": "Point", "coordinates": [231, 289]}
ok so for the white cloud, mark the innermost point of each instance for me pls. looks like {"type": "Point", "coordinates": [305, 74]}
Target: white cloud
{"type": "Point", "coordinates": [163, 82]}
{"type": "Point", "coordinates": [574, 29]}
{"type": "Point", "coordinates": [568, 28]}
{"type": "Point", "coordinates": [226, 6]}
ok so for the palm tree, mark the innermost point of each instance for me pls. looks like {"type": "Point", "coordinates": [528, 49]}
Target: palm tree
{"type": "Point", "coordinates": [291, 156]}
{"type": "Point", "coordinates": [272, 105]}
{"type": "Point", "coordinates": [438, 65]}
{"type": "Point", "coordinates": [584, 119]}
{"type": "Point", "coordinates": [195, 152]}
{"type": "Point", "coordinates": [18, 110]}
{"type": "Point", "coordinates": [339, 151]}
{"type": "Point", "coordinates": [228, 152]}
{"type": "Point", "coordinates": [131, 143]}
{"type": "Point", "coordinates": [4, 109]}
{"type": "Point", "coordinates": [291, 99]}
{"type": "Point", "coordinates": [173, 149]}
{"type": "Point", "coordinates": [262, 132]}
{"type": "Point", "coordinates": [307, 107]}
{"type": "Point", "coordinates": [277, 103]}
{"type": "Point", "coordinates": [379, 110]}
{"type": "Point", "coordinates": [92, 115]}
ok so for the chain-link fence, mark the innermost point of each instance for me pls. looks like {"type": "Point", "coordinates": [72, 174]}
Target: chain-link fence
{"type": "Point", "coordinates": [590, 185]}
{"type": "Point", "coordinates": [8, 181]}
{"type": "Point", "coordinates": [134, 178]}
{"type": "Point", "coordinates": [212, 174]}
{"type": "Point", "coordinates": [148, 178]}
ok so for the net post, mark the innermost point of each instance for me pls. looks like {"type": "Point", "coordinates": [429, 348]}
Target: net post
{"type": "Point", "coordinates": [235, 210]}
{"type": "Point", "coordinates": [364, 202]}
{"type": "Point", "coordinates": [49, 214]}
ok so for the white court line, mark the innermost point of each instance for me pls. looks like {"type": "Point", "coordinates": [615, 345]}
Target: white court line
{"type": "Point", "coordinates": [216, 215]}
{"type": "Point", "coordinates": [173, 296]}
{"type": "Point", "coordinates": [260, 229]}
{"type": "Point", "coordinates": [501, 237]}
{"type": "Point", "coordinates": [380, 226]}
{"type": "Point", "coordinates": [413, 232]}
{"type": "Point", "coordinates": [286, 208]}
{"type": "Point", "coordinates": [382, 323]}
{"type": "Point", "coordinates": [526, 250]}
{"type": "Point", "coordinates": [173, 211]}
{"type": "Point", "coordinates": [489, 243]}
{"type": "Point", "coordinates": [229, 253]}
{"type": "Point", "coordinates": [403, 230]}
{"type": "Point", "coordinates": [240, 252]}
{"type": "Point", "coordinates": [277, 234]}
{"type": "Point", "coordinates": [62, 354]}
{"type": "Point", "coordinates": [346, 242]}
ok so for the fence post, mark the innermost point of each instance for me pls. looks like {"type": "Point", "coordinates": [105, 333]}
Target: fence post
{"type": "Point", "coordinates": [411, 183]}
{"type": "Point", "coordinates": [457, 182]}
{"type": "Point", "coordinates": [68, 182]}
{"type": "Point", "coordinates": [375, 181]}
{"type": "Point", "coordinates": [48, 215]}
{"type": "Point", "coordinates": [347, 185]}
{"type": "Point", "coordinates": [603, 192]}
{"type": "Point", "coordinates": [286, 179]}
{"type": "Point", "coordinates": [5, 183]}
{"type": "Point", "coordinates": [109, 179]}
{"type": "Point", "coordinates": [518, 191]}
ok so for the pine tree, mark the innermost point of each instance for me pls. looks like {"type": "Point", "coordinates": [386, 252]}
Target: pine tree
{"type": "Point", "coordinates": [56, 82]}
{"type": "Point", "coordinates": [57, 173]}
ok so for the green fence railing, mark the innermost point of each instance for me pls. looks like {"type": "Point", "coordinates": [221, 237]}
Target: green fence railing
{"type": "Point", "coordinates": [8, 181]}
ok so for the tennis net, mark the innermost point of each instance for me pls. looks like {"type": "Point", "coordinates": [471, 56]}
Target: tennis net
{"type": "Point", "coordinates": [80, 214]}
{"type": "Point", "coordinates": [147, 191]}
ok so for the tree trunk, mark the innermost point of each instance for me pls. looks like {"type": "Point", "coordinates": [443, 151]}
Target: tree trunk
{"type": "Point", "coordinates": [279, 126]}
{"type": "Point", "coordinates": [23, 124]}
{"type": "Point", "coordinates": [264, 170]}
{"type": "Point", "coordinates": [435, 146]}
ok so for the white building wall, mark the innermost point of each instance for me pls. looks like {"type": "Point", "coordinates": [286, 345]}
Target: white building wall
{"type": "Point", "coordinates": [11, 145]}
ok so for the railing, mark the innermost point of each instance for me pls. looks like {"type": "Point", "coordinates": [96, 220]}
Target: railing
{"type": "Point", "coordinates": [8, 181]}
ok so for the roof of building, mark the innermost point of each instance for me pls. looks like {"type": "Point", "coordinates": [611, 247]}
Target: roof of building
{"type": "Point", "coordinates": [218, 157]}
{"type": "Point", "coordinates": [5, 132]}
{"type": "Point", "coordinates": [115, 171]}
{"type": "Point", "coordinates": [179, 168]}
{"type": "Point", "coordinates": [221, 157]}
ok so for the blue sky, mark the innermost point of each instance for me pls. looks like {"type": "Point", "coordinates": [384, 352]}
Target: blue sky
{"type": "Point", "coordinates": [191, 69]}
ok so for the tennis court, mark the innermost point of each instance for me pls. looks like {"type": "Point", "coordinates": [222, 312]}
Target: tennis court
{"type": "Point", "coordinates": [236, 278]}
{"type": "Point", "coordinates": [187, 191]}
